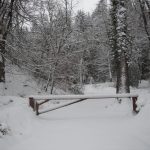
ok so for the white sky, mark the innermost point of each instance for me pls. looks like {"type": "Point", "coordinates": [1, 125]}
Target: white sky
{"type": "Point", "coordinates": [86, 5]}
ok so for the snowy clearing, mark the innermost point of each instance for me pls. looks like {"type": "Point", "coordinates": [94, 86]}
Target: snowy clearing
{"type": "Point", "coordinates": [89, 125]}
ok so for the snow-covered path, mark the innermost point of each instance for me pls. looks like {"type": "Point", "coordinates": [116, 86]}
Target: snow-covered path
{"type": "Point", "coordinates": [86, 126]}
{"type": "Point", "coordinates": [89, 125]}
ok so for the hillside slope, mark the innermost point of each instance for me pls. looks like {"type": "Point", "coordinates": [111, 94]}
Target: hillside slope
{"type": "Point", "coordinates": [21, 83]}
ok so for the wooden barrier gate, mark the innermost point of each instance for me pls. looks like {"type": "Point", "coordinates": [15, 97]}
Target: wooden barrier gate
{"type": "Point", "coordinates": [34, 101]}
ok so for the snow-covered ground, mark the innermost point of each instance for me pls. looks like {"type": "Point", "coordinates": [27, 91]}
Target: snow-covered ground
{"type": "Point", "coordinates": [21, 84]}
{"type": "Point", "coordinates": [89, 125]}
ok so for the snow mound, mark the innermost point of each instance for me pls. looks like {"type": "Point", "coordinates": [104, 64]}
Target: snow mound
{"type": "Point", "coordinates": [14, 113]}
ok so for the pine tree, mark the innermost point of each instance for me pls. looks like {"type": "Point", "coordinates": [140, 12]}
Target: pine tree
{"type": "Point", "coordinates": [101, 44]}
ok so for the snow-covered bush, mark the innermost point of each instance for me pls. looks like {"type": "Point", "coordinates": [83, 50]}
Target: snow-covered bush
{"type": "Point", "coordinates": [76, 89]}
{"type": "Point", "coordinates": [3, 129]}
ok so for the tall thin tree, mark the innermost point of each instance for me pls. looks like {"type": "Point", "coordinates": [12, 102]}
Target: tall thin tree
{"type": "Point", "coordinates": [6, 14]}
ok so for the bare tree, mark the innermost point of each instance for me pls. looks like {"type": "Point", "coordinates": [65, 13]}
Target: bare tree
{"type": "Point", "coordinates": [6, 15]}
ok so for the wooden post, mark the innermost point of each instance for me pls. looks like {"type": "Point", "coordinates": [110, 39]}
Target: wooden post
{"type": "Point", "coordinates": [37, 108]}
{"type": "Point", "coordinates": [34, 105]}
{"type": "Point", "coordinates": [134, 100]}
{"type": "Point", "coordinates": [31, 102]}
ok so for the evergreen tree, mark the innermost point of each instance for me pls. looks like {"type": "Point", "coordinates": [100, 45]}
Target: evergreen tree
{"type": "Point", "coordinates": [101, 49]}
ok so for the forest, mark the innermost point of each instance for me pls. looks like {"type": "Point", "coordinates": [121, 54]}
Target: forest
{"type": "Point", "coordinates": [63, 48]}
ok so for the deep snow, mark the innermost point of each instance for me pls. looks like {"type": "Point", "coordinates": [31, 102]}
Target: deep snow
{"type": "Point", "coordinates": [89, 125]}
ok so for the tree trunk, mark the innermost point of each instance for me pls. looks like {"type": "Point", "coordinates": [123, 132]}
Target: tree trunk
{"type": "Point", "coordinates": [53, 79]}
{"type": "Point", "coordinates": [113, 38]}
{"type": "Point", "coordinates": [48, 81]}
{"type": "Point", "coordinates": [6, 15]}
{"type": "Point", "coordinates": [81, 71]}
{"type": "Point", "coordinates": [2, 59]}
{"type": "Point", "coordinates": [148, 6]}
{"type": "Point", "coordinates": [109, 68]}
{"type": "Point", "coordinates": [142, 6]}
{"type": "Point", "coordinates": [2, 69]}
{"type": "Point", "coordinates": [52, 85]}
{"type": "Point", "coordinates": [122, 85]}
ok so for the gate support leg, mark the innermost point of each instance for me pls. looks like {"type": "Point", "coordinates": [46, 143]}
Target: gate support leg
{"type": "Point", "coordinates": [37, 108]}
{"type": "Point", "coordinates": [31, 102]}
{"type": "Point", "coordinates": [134, 100]}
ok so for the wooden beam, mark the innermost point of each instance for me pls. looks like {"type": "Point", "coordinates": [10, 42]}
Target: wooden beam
{"type": "Point", "coordinates": [74, 97]}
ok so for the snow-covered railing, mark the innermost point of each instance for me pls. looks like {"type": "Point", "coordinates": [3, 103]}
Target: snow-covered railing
{"type": "Point", "coordinates": [36, 100]}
